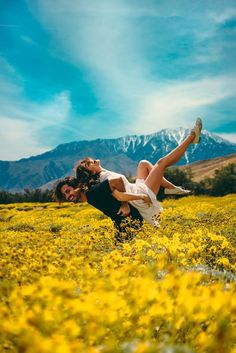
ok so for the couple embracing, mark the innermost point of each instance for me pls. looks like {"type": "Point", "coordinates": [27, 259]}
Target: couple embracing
{"type": "Point", "coordinates": [115, 196]}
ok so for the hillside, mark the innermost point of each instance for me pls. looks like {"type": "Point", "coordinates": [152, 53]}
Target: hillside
{"type": "Point", "coordinates": [206, 168]}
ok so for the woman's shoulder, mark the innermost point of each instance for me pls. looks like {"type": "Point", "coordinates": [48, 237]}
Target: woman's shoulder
{"type": "Point", "coordinates": [108, 174]}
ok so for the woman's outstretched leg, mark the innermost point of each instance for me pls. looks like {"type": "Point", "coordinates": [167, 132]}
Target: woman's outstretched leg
{"type": "Point", "coordinates": [154, 179]}
{"type": "Point", "coordinates": [144, 169]}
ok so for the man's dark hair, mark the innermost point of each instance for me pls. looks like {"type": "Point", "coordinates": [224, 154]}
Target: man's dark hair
{"type": "Point", "coordinates": [70, 181]}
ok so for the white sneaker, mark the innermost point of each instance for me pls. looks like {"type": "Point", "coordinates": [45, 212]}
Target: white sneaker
{"type": "Point", "coordinates": [197, 129]}
{"type": "Point", "coordinates": [178, 190]}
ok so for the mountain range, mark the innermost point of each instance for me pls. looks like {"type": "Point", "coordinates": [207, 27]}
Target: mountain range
{"type": "Point", "coordinates": [119, 154]}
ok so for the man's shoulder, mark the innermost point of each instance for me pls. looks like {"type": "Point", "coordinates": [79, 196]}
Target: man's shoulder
{"type": "Point", "coordinates": [102, 186]}
{"type": "Point", "coordinates": [100, 196]}
{"type": "Point", "coordinates": [98, 191]}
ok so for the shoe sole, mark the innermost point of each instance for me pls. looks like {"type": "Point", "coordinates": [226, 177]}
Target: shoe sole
{"type": "Point", "coordinates": [177, 192]}
{"type": "Point", "coordinates": [197, 129]}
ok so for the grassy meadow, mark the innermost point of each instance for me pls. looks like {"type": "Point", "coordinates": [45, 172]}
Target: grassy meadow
{"type": "Point", "coordinates": [66, 285]}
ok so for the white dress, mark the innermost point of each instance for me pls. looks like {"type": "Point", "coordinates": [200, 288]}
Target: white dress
{"type": "Point", "coordinates": [149, 213]}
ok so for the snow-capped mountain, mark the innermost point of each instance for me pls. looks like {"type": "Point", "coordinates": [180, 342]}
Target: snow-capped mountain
{"type": "Point", "coordinates": [120, 154]}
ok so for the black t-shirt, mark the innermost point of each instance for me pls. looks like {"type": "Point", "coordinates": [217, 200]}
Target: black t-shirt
{"type": "Point", "coordinates": [100, 196]}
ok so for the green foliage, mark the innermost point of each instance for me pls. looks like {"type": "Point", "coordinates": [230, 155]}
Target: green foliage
{"type": "Point", "coordinates": [180, 177]}
{"type": "Point", "coordinates": [36, 195]}
{"type": "Point", "coordinates": [224, 181]}
{"type": "Point", "coordinates": [183, 178]}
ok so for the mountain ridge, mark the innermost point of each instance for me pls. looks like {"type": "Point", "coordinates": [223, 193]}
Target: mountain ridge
{"type": "Point", "coordinates": [120, 154]}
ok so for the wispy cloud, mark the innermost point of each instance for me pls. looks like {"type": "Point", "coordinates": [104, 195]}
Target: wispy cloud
{"type": "Point", "coordinates": [221, 16]}
{"type": "Point", "coordinates": [21, 128]}
{"type": "Point", "coordinates": [18, 140]}
{"type": "Point", "coordinates": [177, 103]}
{"type": "Point", "coordinates": [8, 25]}
{"type": "Point", "coordinates": [22, 120]}
{"type": "Point", "coordinates": [147, 65]}
{"type": "Point", "coordinates": [28, 40]}
{"type": "Point", "coordinates": [103, 41]}
{"type": "Point", "coordinates": [229, 137]}
{"type": "Point", "coordinates": [103, 38]}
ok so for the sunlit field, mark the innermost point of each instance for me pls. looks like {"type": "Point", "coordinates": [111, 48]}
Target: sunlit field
{"type": "Point", "coordinates": [68, 286]}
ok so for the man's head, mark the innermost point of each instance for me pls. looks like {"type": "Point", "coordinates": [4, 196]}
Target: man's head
{"type": "Point", "coordinates": [67, 190]}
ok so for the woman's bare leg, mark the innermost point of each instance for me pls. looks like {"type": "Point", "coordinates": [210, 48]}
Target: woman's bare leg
{"type": "Point", "coordinates": [167, 184]}
{"type": "Point", "coordinates": [154, 179]}
{"type": "Point", "coordinates": [144, 169]}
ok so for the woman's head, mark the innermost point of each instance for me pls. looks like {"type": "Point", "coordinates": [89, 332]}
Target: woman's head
{"type": "Point", "coordinates": [90, 165]}
{"type": "Point", "coordinates": [87, 173]}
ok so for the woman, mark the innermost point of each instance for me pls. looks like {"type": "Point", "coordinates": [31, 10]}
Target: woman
{"type": "Point", "coordinates": [149, 178]}
{"type": "Point", "coordinates": [89, 170]}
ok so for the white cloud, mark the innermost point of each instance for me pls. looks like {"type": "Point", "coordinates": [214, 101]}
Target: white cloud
{"type": "Point", "coordinates": [22, 120]}
{"type": "Point", "coordinates": [28, 40]}
{"type": "Point", "coordinates": [229, 137]}
{"type": "Point", "coordinates": [8, 25]}
{"type": "Point", "coordinates": [48, 113]}
{"type": "Point", "coordinates": [99, 37]}
{"type": "Point", "coordinates": [102, 37]}
{"type": "Point", "coordinates": [216, 53]}
{"type": "Point", "coordinates": [10, 81]}
{"type": "Point", "coordinates": [18, 140]}
{"type": "Point", "coordinates": [6, 67]}
{"type": "Point", "coordinates": [225, 15]}
{"type": "Point", "coordinates": [54, 112]}
{"type": "Point", "coordinates": [21, 127]}
{"type": "Point", "coordinates": [177, 104]}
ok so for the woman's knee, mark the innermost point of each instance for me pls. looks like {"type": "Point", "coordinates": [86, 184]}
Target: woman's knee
{"type": "Point", "coordinates": [144, 163]}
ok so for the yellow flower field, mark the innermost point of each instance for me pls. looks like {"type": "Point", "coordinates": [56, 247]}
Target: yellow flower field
{"type": "Point", "coordinates": [67, 286]}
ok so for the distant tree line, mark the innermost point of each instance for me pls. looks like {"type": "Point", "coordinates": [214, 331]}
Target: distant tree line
{"type": "Point", "coordinates": [36, 195]}
{"type": "Point", "coordinates": [222, 183]}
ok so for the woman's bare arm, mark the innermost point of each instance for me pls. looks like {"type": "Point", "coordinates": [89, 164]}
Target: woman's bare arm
{"type": "Point", "coordinates": [125, 196]}
{"type": "Point", "coordinates": [118, 184]}
{"type": "Point", "coordinates": [118, 191]}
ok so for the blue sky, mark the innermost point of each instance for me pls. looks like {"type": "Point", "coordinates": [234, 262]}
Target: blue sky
{"type": "Point", "coordinates": [75, 70]}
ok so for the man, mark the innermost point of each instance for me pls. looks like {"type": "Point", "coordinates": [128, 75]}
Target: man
{"type": "Point", "coordinates": [100, 196]}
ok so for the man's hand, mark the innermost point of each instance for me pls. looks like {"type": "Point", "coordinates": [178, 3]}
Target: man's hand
{"type": "Point", "coordinates": [124, 209]}
{"type": "Point", "coordinates": [147, 200]}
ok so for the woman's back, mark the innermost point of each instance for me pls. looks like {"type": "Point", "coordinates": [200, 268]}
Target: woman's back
{"type": "Point", "coordinates": [108, 174]}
